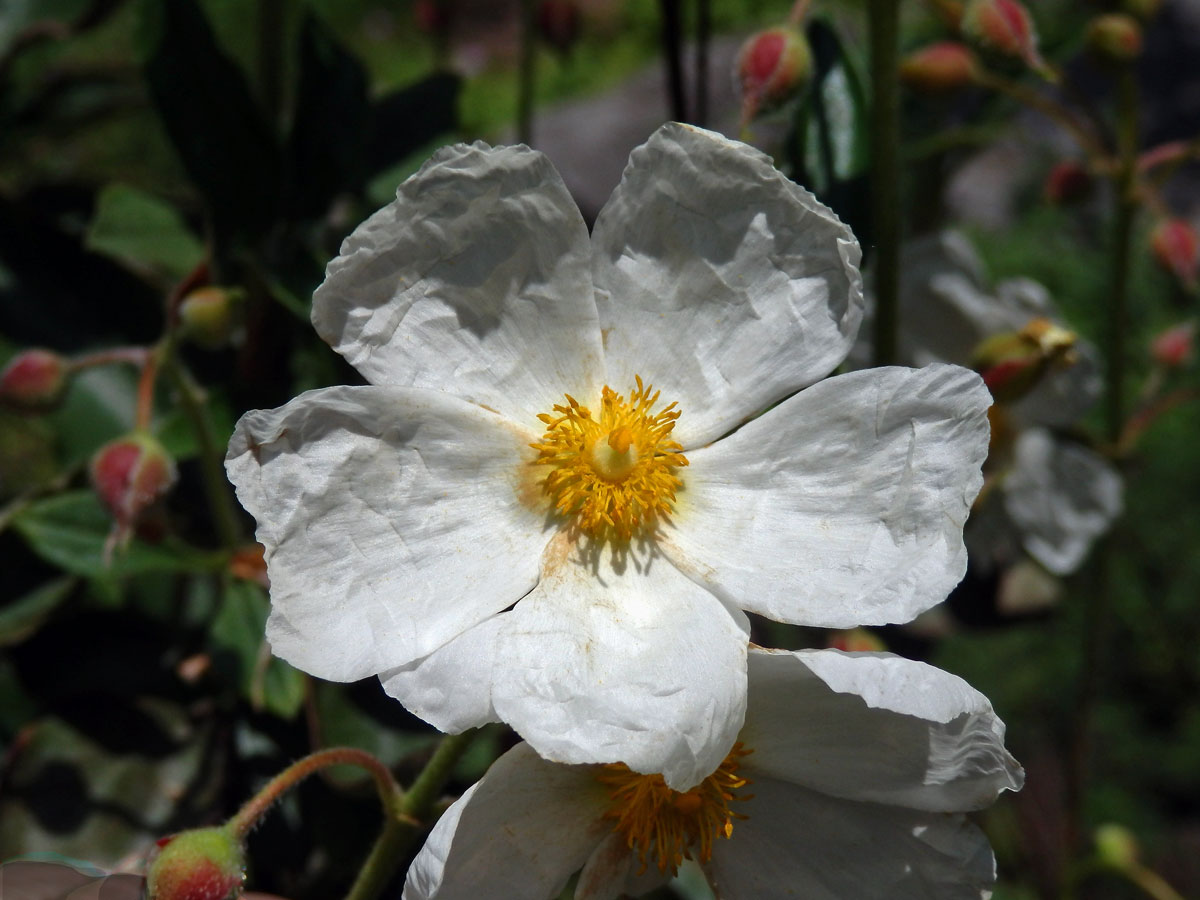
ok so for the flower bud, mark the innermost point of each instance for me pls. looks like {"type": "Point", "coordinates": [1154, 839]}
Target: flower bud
{"type": "Point", "coordinates": [1177, 249]}
{"type": "Point", "coordinates": [558, 24]}
{"type": "Point", "coordinates": [204, 864]}
{"type": "Point", "coordinates": [1173, 348]}
{"type": "Point", "coordinates": [1012, 363]}
{"type": "Point", "coordinates": [856, 639]}
{"type": "Point", "coordinates": [1143, 10]}
{"type": "Point", "coordinates": [772, 67]}
{"type": "Point", "coordinates": [1114, 38]}
{"type": "Point", "coordinates": [1068, 182]}
{"type": "Point", "coordinates": [938, 68]}
{"type": "Point", "coordinates": [34, 381]}
{"type": "Point", "coordinates": [129, 474]}
{"type": "Point", "coordinates": [1116, 846]}
{"type": "Point", "coordinates": [207, 316]}
{"type": "Point", "coordinates": [1002, 27]}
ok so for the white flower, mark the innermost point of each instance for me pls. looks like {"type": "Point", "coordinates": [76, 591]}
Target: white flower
{"type": "Point", "coordinates": [1055, 495]}
{"type": "Point", "coordinates": [848, 782]}
{"type": "Point", "coordinates": [510, 524]}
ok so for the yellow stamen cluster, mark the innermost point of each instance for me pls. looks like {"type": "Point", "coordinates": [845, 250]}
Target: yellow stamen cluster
{"type": "Point", "coordinates": [615, 472]}
{"type": "Point", "coordinates": [665, 826]}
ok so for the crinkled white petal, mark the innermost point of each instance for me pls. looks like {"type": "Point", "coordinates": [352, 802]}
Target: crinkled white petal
{"type": "Point", "coordinates": [517, 834]}
{"type": "Point", "coordinates": [451, 688]}
{"type": "Point", "coordinates": [799, 843]}
{"type": "Point", "coordinates": [720, 281]}
{"type": "Point", "coordinates": [875, 727]}
{"type": "Point", "coordinates": [476, 281]}
{"type": "Point", "coordinates": [639, 666]}
{"type": "Point", "coordinates": [393, 519]}
{"type": "Point", "coordinates": [842, 506]}
{"type": "Point", "coordinates": [1062, 496]}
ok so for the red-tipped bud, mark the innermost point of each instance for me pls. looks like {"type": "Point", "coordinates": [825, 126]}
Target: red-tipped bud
{"type": "Point", "coordinates": [938, 68]}
{"type": "Point", "coordinates": [129, 474]}
{"type": "Point", "coordinates": [34, 381]}
{"type": "Point", "coordinates": [204, 864]}
{"type": "Point", "coordinates": [559, 24]}
{"type": "Point", "coordinates": [1002, 27]}
{"type": "Point", "coordinates": [1068, 182]}
{"type": "Point", "coordinates": [1177, 249]}
{"type": "Point", "coordinates": [773, 66]}
{"type": "Point", "coordinates": [856, 639]}
{"type": "Point", "coordinates": [1014, 362]}
{"type": "Point", "coordinates": [208, 316]}
{"type": "Point", "coordinates": [1174, 347]}
{"type": "Point", "coordinates": [1114, 38]}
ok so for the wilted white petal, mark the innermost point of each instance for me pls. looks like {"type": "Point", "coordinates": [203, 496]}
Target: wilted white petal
{"type": "Point", "coordinates": [842, 506]}
{"type": "Point", "coordinates": [639, 666]}
{"type": "Point", "coordinates": [875, 727]}
{"type": "Point", "coordinates": [720, 281]}
{"type": "Point", "coordinates": [518, 834]}
{"type": "Point", "coordinates": [393, 520]}
{"type": "Point", "coordinates": [475, 280]}
{"type": "Point", "coordinates": [797, 842]}
{"type": "Point", "coordinates": [1062, 496]}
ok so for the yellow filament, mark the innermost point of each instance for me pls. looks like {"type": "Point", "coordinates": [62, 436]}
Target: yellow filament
{"type": "Point", "coordinates": [615, 472]}
{"type": "Point", "coordinates": [663, 826]}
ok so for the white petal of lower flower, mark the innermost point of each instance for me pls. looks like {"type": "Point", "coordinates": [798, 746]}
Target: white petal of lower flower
{"type": "Point", "coordinates": [640, 666]}
{"type": "Point", "coordinates": [879, 728]}
{"type": "Point", "coordinates": [798, 843]}
{"type": "Point", "coordinates": [476, 281]}
{"type": "Point", "coordinates": [451, 688]}
{"type": "Point", "coordinates": [842, 506]}
{"type": "Point", "coordinates": [612, 872]}
{"type": "Point", "coordinates": [1062, 496]}
{"type": "Point", "coordinates": [392, 522]}
{"type": "Point", "coordinates": [719, 281]}
{"type": "Point", "coordinates": [518, 834]}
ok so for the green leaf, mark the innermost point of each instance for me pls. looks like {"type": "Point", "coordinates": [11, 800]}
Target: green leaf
{"type": "Point", "coordinates": [23, 617]}
{"type": "Point", "coordinates": [70, 530]}
{"type": "Point", "coordinates": [143, 232]}
{"type": "Point", "coordinates": [409, 119]}
{"type": "Point", "coordinates": [99, 406]}
{"type": "Point", "coordinates": [221, 135]}
{"type": "Point", "coordinates": [241, 650]}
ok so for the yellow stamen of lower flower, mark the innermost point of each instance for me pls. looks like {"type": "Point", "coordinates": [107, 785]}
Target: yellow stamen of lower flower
{"type": "Point", "coordinates": [615, 472]}
{"type": "Point", "coordinates": [663, 826]}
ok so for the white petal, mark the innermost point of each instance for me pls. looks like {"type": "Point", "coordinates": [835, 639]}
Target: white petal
{"type": "Point", "coordinates": [720, 281]}
{"type": "Point", "coordinates": [451, 689]}
{"type": "Point", "coordinates": [639, 666]}
{"type": "Point", "coordinates": [797, 843]}
{"type": "Point", "coordinates": [875, 727]}
{"type": "Point", "coordinates": [842, 506]}
{"type": "Point", "coordinates": [518, 834]}
{"type": "Point", "coordinates": [612, 872]}
{"type": "Point", "coordinates": [1062, 496]}
{"type": "Point", "coordinates": [393, 519]}
{"type": "Point", "coordinates": [475, 280]}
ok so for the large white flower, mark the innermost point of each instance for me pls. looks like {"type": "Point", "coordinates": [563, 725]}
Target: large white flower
{"type": "Point", "coordinates": [1055, 495]}
{"type": "Point", "coordinates": [848, 782]}
{"type": "Point", "coordinates": [510, 523]}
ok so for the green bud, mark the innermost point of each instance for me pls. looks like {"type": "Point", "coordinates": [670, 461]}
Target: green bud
{"type": "Point", "coordinates": [203, 864]}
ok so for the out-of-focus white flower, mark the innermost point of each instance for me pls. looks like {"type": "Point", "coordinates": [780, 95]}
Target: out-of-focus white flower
{"type": "Point", "coordinates": [1054, 495]}
{"type": "Point", "coordinates": [511, 523]}
{"type": "Point", "coordinates": [847, 782]}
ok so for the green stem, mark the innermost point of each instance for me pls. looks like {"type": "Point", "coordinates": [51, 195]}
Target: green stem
{"type": "Point", "coordinates": [212, 452]}
{"type": "Point", "coordinates": [883, 21]}
{"type": "Point", "coordinates": [1047, 106]}
{"type": "Point", "coordinates": [425, 791]}
{"type": "Point", "coordinates": [1124, 185]}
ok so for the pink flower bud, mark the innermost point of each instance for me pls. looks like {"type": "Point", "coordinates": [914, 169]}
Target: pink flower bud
{"type": "Point", "coordinates": [129, 474]}
{"type": "Point", "coordinates": [938, 68]}
{"type": "Point", "coordinates": [1176, 248]}
{"type": "Point", "coordinates": [208, 316]}
{"type": "Point", "coordinates": [1068, 182]}
{"type": "Point", "coordinates": [1174, 347]}
{"type": "Point", "coordinates": [559, 24]}
{"type": "Point", "coordinates": [772, 67]}
{"type": "Point", "coordinates": [1003, 27]}
{"type": "Point", "coordinates": [34, 381]}
{"type": "Point", "coordinates": [204, 864]}
{"type": "Point", "coordinates": [1114, 37]}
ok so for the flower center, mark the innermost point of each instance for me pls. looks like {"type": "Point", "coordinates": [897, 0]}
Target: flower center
{"type": "Point", "coordinates": [615, 472]}
{"type": "Point", "coordinates": [664, 826]}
